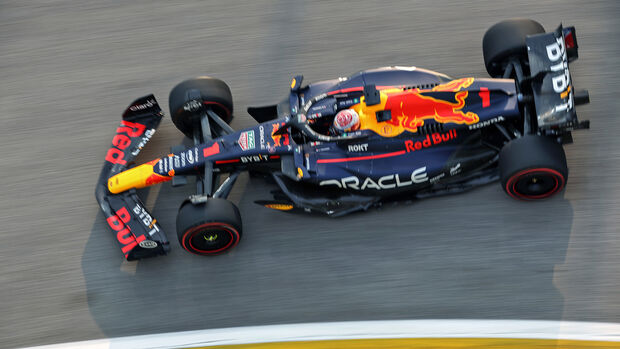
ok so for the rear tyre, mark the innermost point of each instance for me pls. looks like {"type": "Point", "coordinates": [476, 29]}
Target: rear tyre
{"type": "Point", "coordinates": [214, 93]}
{"type": "Point", "coordinates": [210, 228]}
{"type": "Point", "coordinates": [532, 167]}
{"type": "Point", "coordinates": [506, 39]}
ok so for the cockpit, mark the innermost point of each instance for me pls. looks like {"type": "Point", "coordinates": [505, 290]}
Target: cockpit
{"type": "Point", "coordinates": [373, 101]}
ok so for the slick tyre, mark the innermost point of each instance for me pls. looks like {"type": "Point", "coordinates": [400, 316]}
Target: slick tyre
{"type": "Point", "coordinates": [214, 93]}
{"type": "Point", "coordinates": [507, 39]}
{"type": "Point", "coordinates": [532, 167]}
{"type": "Point", "coordinates": [210, 228]}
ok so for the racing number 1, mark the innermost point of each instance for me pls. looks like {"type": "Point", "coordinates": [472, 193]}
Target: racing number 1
{"type": "Point", "coordinates": [485, 96]}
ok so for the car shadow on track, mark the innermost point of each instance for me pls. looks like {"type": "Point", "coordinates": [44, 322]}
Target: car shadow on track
{"type": "Point", "coordinates": [474, 255]}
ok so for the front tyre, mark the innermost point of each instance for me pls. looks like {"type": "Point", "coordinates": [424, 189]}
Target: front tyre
{"type": "Point", "coordinates": [209, 228]}
{"type": "Point", "coordinates": [532, 167]}
{"type": "Point", "coordinates": [215, 94]}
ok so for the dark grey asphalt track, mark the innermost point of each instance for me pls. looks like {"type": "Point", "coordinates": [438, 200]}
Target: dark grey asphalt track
{"type": "Point", "coordinates": [69, 68]}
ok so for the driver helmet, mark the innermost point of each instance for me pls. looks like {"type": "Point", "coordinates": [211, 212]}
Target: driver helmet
{"type": "Point", "coordinates": [346, 120]}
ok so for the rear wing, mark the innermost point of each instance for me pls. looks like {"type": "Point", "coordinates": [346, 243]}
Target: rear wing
{"type": "Point", "coordinates": [137, 233]}
{"type": "Point", "coordinates": [552, 87]}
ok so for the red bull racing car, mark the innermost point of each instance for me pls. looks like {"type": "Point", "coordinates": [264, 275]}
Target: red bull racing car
{"type": "Point", "coordinates": [349, 144]}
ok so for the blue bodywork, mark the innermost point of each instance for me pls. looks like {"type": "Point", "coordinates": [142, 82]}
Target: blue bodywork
{"type": "Point", "coordinates": [438, 157]}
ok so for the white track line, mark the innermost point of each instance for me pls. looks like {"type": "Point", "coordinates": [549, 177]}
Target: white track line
{"type": "Point", "coordinates": [530, 329]}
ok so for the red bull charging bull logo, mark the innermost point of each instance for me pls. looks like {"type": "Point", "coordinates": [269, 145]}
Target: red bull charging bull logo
{"type": "Point", "coordinates": [409, 108]}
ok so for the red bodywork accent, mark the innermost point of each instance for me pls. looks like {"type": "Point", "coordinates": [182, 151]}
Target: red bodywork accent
{"type": "Point", "coordinates": [238, 160]}
{"type": "Point", "coordinates": [356, 88]}
{"type": "Point", "coordinates": [569, 40]}
{"type": "Point", "coordinates": [133, 129]}
{"type": "Point", "coordinates": [156, 178]}
{"type": "Point", "coordinates": [115, 156]}
{"type": "Point", "coordinates": [212, 150]}
{"type": "Point", "coordinates": [117, 221]}
{"type": "Point", "coordinates": [126, 238]}
{"type": "Point", "coordinates": [227, 161]}
{"type": "Point", "coordinates": [123, 234]}
{"type": "Point", "coordinates": [120, 141]}
{"type": "Point", "coordinates": [485, 95]}
{"type": "Point", "coordinates": [359, 158]}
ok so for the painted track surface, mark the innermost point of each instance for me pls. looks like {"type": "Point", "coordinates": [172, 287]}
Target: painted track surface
{"type": "Point", "coordinates": [69, 69]}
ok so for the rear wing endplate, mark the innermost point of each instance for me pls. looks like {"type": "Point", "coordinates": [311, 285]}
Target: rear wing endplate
{"type": "Point", "coordinates": [554, 95]}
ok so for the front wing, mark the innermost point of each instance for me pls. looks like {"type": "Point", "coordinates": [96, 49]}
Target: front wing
{"type": "Point", "coordinates": [137, 233]}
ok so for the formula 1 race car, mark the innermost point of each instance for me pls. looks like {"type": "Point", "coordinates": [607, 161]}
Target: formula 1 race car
{"type": "Point", "coordinates": [349, 144]}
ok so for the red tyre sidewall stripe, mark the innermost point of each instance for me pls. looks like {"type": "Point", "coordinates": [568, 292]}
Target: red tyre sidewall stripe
{"type": "Point", "coordinates": [234, 234]}
{"type": "Point", "coordinates": [510, 185]}
{"type": "Point", "coordinates": [219, 105]}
